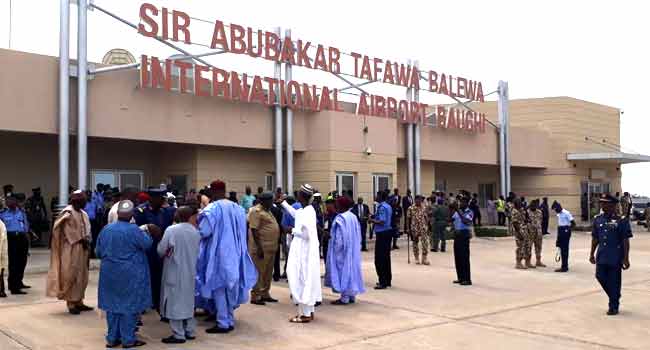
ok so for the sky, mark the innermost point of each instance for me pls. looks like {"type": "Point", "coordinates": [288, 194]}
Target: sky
{"type": "Point", "coordinates": [592, 50]}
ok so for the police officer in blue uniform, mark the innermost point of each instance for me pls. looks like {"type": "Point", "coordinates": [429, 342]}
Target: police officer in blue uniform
{"type": "Point", "coordinates": [155, 213]}
{"type": "Point", "coordinates": [611, 237]}
{"type": "Point", "coordinates": [15, 219]}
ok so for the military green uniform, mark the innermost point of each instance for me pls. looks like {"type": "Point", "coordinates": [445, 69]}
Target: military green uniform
{"type": "Point", "coordinates": [417, 215]}
{"type": "Point", "coordinates": [509, 208]}
{"type": "Point", "coordinates": [518, 216]}
{"type": "Point", "coordinates": [440, 218]}
{"type": "Point", "coordinates": [535, 232]}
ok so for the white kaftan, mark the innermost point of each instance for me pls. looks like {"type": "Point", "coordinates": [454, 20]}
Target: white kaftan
{"type": "Point", "coordinates": [303, 264]}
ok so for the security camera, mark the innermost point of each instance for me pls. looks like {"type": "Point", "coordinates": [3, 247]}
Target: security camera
{"type": "Point", "coordinates": [368, 151]}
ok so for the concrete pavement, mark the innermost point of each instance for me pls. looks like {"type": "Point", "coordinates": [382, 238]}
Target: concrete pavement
{"type": "Point", "coordinates": [504, 309]}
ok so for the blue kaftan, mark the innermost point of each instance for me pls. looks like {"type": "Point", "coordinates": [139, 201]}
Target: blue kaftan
{"type": "Point", "coordinates": [225, 270]}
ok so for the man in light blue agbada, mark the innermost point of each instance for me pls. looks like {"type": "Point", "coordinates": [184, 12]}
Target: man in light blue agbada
{"type": "Point", "coordinates": [225, 270]}
{"type": "Point", "coordinates": [248, 200]}
{"type": "Point", "coordinates": [343, 269]}
{"type": "Point", "coordinates": [124, 290]}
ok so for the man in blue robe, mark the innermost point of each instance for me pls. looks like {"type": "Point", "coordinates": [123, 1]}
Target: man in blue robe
{"type": "Point", "coordinates": [124, 290]}
{"type": "Point", "coordinates": [343, 269]}
{"type": "Point", "coordinates": [225, 270]}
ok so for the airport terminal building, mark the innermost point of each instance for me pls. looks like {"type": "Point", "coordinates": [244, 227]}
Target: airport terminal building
{"type": "Point", "coordinates": [561, 147]}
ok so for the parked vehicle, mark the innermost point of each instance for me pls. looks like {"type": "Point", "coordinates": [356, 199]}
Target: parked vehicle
{"type": "Point", "coordinates": [638, 208]}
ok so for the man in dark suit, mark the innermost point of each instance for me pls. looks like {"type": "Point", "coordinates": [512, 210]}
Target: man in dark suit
{"type": "Point", "coordinates": [362, 212]}
{"type": "Point", "coordinates": [407, 202]}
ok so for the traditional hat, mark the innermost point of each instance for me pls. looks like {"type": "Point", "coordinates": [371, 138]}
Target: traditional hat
{"type": "Point", "coordinates": [125, 207]}
{"type": "Point", "coordinates": [78, 194]}
{"type": "Point", "coordinates": [218, 185]}
{"type": "Point", "coordinates": [344, 202]}
{"type": "Point", "coordinates": [306, 188]}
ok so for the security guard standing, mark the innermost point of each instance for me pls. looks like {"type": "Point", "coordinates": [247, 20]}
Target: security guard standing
{"type": "Point", "coordinates": [17, 226]}
{"type": "Point", "coordinates": [155, 213]}
{"type": "Point", "coordinates": [611, 235]}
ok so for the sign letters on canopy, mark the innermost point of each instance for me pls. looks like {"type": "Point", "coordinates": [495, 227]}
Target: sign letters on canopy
{"type": "Point", "coordinates": [211, 81]}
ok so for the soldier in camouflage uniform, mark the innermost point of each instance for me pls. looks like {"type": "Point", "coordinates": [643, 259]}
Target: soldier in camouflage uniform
{"type": "Point", "coordinates": [518, 227]}
{"type": "Point", "coordinates": [7, 191]}
{"type": "Point", "coordinates": [419, 229]}
{"type": "Point", "coordinates": [535, 231]}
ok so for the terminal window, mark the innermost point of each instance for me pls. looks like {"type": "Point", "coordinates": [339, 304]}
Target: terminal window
{"type": "Point", "coordinates": [380, 182]}
{"type": "Point", "coordinates": [345, 183]}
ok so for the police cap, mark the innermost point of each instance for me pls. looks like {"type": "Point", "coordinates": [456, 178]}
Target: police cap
{"type": "Point", "coordinates": [608, 198]}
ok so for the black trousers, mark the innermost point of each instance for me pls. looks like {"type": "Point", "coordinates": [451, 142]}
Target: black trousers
{"type": "Point", "coordinates": [18, 247]}
{"type": "Point", "coordinates": [326, 244]}
{"type": "Point", "coordinates": [477, 217]}
{"type": "Point", "coordinates": [545, 226]}
{"type": "Point", "coordinates": [382, 257]}
{"type": "Point", "coordinates": [502, 218]}
{"type": "Point", "coordinates": [364, 233]}
{"type": "Point", "coordinates": [563, 239]}
{"type": "Point", "coordinates": [610, 278]}
{"type": "Point", "coordinates": [461, 256]}
{"type": "Point", "coordinates": [95, 228]}
{"type": "Point", "coordinates": [276, 264]}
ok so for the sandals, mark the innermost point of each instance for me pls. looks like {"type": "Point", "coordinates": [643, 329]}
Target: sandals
{"type": "Point", "coordinates": [301, 319]}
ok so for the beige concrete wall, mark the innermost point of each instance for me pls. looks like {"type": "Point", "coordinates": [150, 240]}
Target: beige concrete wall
{"type": "Point", "coordinates": [237, 167]}
{"type": "Point", "coordinates": [207, 138]}
{"type": "Point", "coordinates": [338, 143]}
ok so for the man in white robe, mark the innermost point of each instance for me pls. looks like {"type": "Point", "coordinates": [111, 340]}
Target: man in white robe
{"type": "Point", "coordinates": [303, 265]}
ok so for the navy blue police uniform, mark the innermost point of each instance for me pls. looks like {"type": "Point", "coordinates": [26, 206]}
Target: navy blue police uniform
{"type": "Point", "coordinates": [163, 217]}
{"type": "Point", "coordinates": [611, 233]}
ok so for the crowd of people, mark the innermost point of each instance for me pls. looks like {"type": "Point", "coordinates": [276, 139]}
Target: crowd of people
{"type": "Point", "coordinates": [209, 251]}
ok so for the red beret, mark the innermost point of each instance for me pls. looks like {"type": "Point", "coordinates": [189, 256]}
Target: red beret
{"type": "Point", "coordinates": [143, 197]}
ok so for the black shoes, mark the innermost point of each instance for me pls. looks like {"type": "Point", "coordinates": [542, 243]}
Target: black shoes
{"type": "Point", "coordinates": [84, 308]}
{"type": "Point", "coordinates": [172, 340]}
{"type": "Point", "coordinates": [18, 292]}
{"type": "Point", "coordinates": [74, 311]}
{"type": "Point", "coordinates": [219, 330]}
{"type": "Point", "coordinates": [269, 300]}
{"type": "Point", "coordinates": [463, 283]}
{"type": "Point", "coordinates": [113, 345]}
{"type": "Point", "coordinates": [612, 312]}
{"type": "Point", "coordinates": [561, 270]}
{"type": "Point", "coordinates": [258, 302]}
{"type": "Point", "coordinates": [137, 343]}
